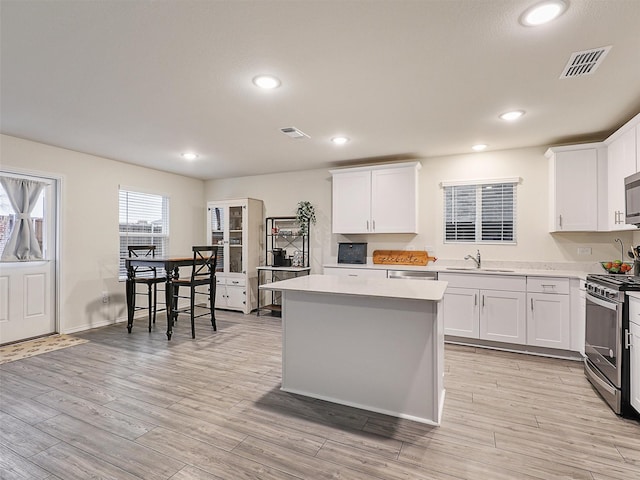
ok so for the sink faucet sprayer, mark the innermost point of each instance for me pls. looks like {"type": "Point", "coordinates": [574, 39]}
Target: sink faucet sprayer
{"type": "Point", "coordinates": [476, 259]}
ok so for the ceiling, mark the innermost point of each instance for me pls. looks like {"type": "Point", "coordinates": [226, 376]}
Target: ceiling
{"type": "Point", "coordinates": [143, 81]}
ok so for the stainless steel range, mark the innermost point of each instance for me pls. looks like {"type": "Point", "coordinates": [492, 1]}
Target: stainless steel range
{"type": "Point", "coordinates": [607, 338]}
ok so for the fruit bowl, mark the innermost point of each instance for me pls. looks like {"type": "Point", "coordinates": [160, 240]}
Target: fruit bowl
{"type": "Point", "coordinates": [617, 266]}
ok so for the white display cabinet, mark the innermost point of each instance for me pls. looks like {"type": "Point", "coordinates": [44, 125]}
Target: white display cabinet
{"type": "Point", "coordinates": [235, 226]}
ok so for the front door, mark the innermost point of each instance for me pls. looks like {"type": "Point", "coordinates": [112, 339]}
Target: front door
{"type": "Point", "coordinates": [27, 280]}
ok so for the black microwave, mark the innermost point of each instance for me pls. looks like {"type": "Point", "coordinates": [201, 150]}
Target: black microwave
{"type": "Point", "coordinates": [632, 199]}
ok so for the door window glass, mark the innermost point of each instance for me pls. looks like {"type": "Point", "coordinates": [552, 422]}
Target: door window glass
{"type": "Point", "coordinates": [8, 220]}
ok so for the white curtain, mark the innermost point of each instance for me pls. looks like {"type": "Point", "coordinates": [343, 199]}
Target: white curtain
{"type": "Point", "coordinates": [23, 195]}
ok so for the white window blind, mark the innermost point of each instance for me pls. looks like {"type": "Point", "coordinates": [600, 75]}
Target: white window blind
{"type": "Point", "coordinates": [144, 220]}
{"type": "Point", "coordinates": [480, 213]}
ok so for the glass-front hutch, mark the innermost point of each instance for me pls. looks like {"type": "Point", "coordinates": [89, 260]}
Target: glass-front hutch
{"type": "Point", "coordinates": [235, 227]}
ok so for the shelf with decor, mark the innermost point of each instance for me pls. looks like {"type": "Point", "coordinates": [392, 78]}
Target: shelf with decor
{"type": "Point", "coordinates": [286, 256]}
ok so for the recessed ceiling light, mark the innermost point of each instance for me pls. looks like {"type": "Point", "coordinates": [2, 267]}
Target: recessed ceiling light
{"type": "Point", "coordinates": [266, 81]}
{"type": "Point", "coordinates": [339, 140]}
{"type": "Point", "coordinates": [479, 147]}
{"type": "Point", "coordinates": [513, 115]}
{"type": "Point", "coordinates": [543, 12]}
{"type": "Point", "coordinates": [189, 156]}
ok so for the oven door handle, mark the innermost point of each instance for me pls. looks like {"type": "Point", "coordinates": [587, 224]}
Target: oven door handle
{"type": "Point", "coordinates": [603, 303]}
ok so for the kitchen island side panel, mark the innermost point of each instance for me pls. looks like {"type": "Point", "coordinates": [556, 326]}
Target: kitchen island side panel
{"type": "Point", "coordinates": [378, 354]}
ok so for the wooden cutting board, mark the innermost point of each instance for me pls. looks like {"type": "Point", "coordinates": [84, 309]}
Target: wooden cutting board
{"type": "Point", "coordinates": [402, 257]}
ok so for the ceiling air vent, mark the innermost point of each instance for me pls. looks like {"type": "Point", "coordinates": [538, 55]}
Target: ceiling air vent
{"type": "Point", "coordinates": [584, 63]}
{"type": "Point", "coordinates": [293, 132]}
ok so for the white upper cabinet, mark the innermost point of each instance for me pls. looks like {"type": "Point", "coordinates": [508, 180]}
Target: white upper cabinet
{"type": "Point", "coordinates": [586, 182]}
{"type": "Point", "coordinates": [621, 162]}
{"type": "Point", "coordinates": [576, 187]}
{"type": "Point", "coordinates": [351, 212]}
{"type": "Point", "coordinates": [376, 199]}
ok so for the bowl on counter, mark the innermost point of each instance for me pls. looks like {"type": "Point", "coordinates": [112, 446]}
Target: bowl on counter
{"type": "Point", "coordinates": [617, 266]}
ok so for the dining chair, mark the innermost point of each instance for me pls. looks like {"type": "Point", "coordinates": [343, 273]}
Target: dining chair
{"type": "Point", "coordinates": [148, 276]}
{"type": "Point", "coordinates": [203, 273]}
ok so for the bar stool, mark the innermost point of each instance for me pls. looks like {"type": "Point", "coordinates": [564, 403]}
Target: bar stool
{"type": "Point", "coordinates": [147, 276]}
{"type": "Point", "coordinates": [203, 272]}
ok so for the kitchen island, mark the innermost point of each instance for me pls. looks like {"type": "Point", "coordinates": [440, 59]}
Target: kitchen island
{"type": "Point", "coordinates": [370, 343]}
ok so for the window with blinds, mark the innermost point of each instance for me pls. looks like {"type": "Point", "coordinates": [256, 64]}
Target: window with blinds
{"type": "Point", "coordinates": [480, 213]}
{"type": "Point", "coordinates": [144, 220]}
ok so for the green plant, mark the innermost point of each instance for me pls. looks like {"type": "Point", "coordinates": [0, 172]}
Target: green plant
{"type": "Point", "coordinates": [305, 214]}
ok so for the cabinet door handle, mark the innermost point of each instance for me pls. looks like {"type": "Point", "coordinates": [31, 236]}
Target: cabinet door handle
{"type": "Point", "coordinates": [532, 304]}
{"type": "Point", "coordinates": [367, 225]}
{"type": "Point", "coordinates": [373, 225]}
{"type": "Point", "coordinates": [560, 220]}
{"type": "Point", "coordinates": [618, 217]}
{"type": "Point", "coordinates": [475, 300]}
{"type": "Point", "coordinates": [482, 301]}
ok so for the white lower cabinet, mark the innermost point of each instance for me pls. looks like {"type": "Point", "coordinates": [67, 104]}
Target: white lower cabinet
{"type": "Point", "coordinates": [231, 293]}
{"type": "Point", "coordinates": [548, 320]}
{"type": "Point", "coordinates": [634, 351]}
{"type": "Point", "coordinates": [461, 312]}
{"type": "Point", "coordinates": [495, 312]}
{"type": "Point", "coordinates": [503, 316]}
{"type": "Point", "coordinates": [514, 309]}
{"type": "Point", "coordinates": [549, 312]}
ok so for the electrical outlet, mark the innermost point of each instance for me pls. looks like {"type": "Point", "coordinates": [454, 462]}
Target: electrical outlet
{"type": "Point", "coordinates": [584, 250]}
{"type": "Point", "coordinates": [105, 297]}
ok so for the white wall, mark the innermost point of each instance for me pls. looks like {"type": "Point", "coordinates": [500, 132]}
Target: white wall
{"type": "Point", "coordinates": [89, 210]}
{"type": "Point", "coordinates": [90, 246]}
{"type": "Point", "coordinates": [281, 192]}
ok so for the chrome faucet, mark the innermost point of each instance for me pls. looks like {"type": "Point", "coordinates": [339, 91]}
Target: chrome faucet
{"type": "Point", "coordinates": [476, 259]}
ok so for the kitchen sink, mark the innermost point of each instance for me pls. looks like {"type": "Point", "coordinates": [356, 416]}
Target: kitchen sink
{"type": "Point", "coordinates": [469, 269]}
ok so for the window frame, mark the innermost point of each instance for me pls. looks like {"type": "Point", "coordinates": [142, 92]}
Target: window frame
{"type": "Point", "coordinates": [129, 237]}
{"type": "Point", "coordinates": [478, 186]}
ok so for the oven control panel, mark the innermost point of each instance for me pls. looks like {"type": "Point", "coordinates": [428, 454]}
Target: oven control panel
{"type": "Point", "coordinates": [602, 291]}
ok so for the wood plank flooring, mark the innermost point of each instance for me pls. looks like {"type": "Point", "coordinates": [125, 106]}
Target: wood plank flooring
{"type": "Point", "coordinates": [136, 406]}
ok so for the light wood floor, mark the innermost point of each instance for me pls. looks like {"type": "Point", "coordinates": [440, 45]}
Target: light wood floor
{"type": "Point", "coordinates": [136, 406]}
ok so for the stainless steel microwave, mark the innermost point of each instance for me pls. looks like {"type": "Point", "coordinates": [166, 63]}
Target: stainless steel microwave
{"type": "Point", "coordinates": [632, 199]}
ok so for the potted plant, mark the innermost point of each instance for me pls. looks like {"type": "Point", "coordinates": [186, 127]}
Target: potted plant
{"type": "Point", "coordinates": [305, 214]}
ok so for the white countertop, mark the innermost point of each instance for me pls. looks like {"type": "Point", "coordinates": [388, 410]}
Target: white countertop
{"type": "Point", "coordinates": [362, 286]}
{"type": "Point", "coordinates": [485, 270]}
